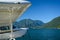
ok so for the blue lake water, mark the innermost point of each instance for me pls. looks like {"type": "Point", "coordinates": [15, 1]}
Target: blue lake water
{"type": "Point", "coordinates": [41, 34]}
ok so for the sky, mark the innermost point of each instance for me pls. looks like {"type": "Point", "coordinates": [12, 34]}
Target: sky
{"type": "Point", "coordinates": [44, 10]}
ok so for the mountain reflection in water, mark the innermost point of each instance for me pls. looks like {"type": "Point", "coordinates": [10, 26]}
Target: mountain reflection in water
{"type": "Point", "coordinates": [41, 34]}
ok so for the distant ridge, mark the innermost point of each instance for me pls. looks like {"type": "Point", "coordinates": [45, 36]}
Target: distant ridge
{"type": "Point", "coordinates": [37, 24]}
{"type": "Point", "coordinates": [29, 23]}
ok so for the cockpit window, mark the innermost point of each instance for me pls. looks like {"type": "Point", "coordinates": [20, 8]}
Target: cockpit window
{"type": "Point", "coordinates": [4, 28]}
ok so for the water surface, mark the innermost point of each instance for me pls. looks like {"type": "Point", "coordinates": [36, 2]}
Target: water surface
{"type": "Point", "coordinates": [41, 34]}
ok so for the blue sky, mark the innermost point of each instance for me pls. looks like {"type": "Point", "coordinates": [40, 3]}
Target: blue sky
{"type": "Point", "coordinates": [44, 10]}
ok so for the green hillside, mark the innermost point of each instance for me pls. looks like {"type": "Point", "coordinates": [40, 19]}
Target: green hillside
{"type": "Point", "coordinates": [55, 23]}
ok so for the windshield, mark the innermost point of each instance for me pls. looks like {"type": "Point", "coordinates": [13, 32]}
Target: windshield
{"type": "Point", "coordinates": [6, 28]}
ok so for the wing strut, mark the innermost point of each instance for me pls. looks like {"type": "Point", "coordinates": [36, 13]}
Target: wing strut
{"type": "Point", "coordinates": [11, 10]}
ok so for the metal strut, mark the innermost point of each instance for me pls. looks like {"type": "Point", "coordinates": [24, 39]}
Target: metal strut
{"type": "Point", "coordinates": [11, 25]}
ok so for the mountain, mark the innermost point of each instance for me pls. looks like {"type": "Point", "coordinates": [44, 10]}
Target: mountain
{"type": "Point", "coordinates": [41, 34]}
{"type": "Point", "coordinates": [37, 24]}
{"type": "Point", "coordinates": [29, 23]}
{"type": "Point", "coordinates": [55, 23]}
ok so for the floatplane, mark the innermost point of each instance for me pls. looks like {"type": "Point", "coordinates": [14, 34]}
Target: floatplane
{"type": "Point", "coordinates": [9, 12]}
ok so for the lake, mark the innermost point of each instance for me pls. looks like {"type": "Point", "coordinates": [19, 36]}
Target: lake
{"type": "Point", "coordinates": [41, 34]}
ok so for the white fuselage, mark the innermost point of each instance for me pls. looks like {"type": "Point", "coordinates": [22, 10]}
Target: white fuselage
{"type": "Point", "coordinates": [16, 34]}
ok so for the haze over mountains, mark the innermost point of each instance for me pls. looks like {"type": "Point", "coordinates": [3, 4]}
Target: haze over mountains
{"type": "Point", "coordinates": [37, 24]}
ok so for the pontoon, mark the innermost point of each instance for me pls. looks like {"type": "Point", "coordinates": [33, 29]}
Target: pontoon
{"type": "Point", "coordinates": [9, 12]}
